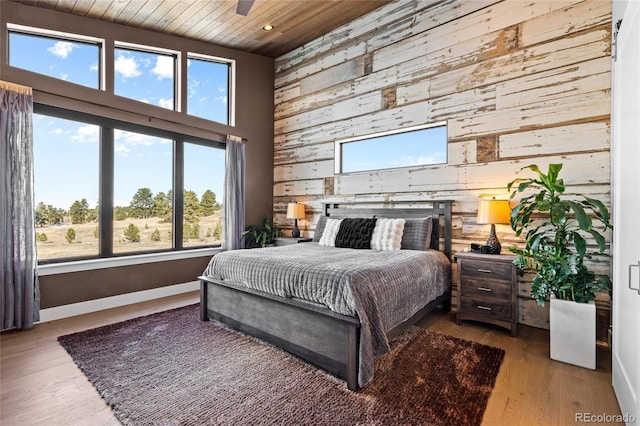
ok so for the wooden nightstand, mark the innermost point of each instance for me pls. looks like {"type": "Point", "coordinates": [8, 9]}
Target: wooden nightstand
{"type": "Point", "coordinates": [488, 289]}
{"type": "Point", "coordinates": [285, 241]}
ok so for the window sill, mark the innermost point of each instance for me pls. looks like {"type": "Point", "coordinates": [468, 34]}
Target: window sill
{"type": "Point", "coordinates": [114, 262]}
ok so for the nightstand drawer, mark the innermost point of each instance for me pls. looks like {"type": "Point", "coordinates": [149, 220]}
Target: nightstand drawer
{"type": "Point", "coordinates": [488, 289]}
{"type": "Point", "coordinates": [496, 290]}
{"type": "Point", "coordinates": [497, 310]}
{"type": "Point", "coordinates": [486, 269]}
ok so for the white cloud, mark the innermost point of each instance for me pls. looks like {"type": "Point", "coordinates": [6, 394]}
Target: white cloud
{"type": "Point", "coordinates": [61, 49]}
{"type": "Point", "coordinates": [57, 131]}
{"type": "Point", "coordinates": [193, 87]}
{"type": "Point", "coordinates": [64, 76]}
{"type": "Point", "coordinates": [127, 67]}
{"type": "Point", "coordinates": [88, 133]}
{"type": "Point", "coordinates": [93, 67]}
{"type": "Point", "coordinates": [121, 149]}
{"type": "Point", "coordinates": [166, 103]}
{"type": "Point", "coordinates": [222, 99]}
{"type": "Point", "coordinates": [411, 160]}
{"type": "Point", "coordinates": [125, 141]}
{"type": "Point", "coordinates": [164, 67]}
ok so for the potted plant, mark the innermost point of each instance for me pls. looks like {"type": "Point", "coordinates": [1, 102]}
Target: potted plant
{"type": "Point", "coordinates": [262, 235]}
{"type": "Point", "coordinates": [555, 232]}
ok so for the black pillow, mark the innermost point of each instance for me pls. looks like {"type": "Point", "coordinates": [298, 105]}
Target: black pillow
{"type": "Point", "coordinates": [355, 233]}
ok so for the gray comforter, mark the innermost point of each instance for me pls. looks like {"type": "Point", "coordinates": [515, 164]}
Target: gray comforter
{"type": "Point", "coordinates": [381, 288]}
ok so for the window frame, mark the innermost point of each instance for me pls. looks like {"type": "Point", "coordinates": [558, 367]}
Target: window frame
{"type": "Point", "coordinates": [177, 78]}
{"type": "Point", "coordinates": [61, 36]}
{"type": "Point", "coordinates": [231, 84]}
{"type": "Point", "coordinates": [64, 101]}
{"type": "Point", "coordinates": [339, 143]}
{"type": "Point", "coordinates": [106, 181]}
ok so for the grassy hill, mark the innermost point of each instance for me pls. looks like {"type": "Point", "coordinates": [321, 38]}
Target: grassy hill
{"type": "Point", "coordinates": [86, 241]}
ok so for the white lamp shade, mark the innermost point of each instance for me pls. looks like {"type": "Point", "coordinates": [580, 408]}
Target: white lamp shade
{"type": "Point", "coordinates": [493, 211]}
{"type": "Point", "coordinates": [295, 211]}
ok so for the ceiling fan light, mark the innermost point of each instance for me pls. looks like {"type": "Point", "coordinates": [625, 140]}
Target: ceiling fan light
{"type": "Point", "coordinates": [268, 27]}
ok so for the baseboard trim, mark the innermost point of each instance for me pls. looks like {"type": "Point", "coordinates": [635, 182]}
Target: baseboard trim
{"type": "Point", "coordinates": [81, 308]}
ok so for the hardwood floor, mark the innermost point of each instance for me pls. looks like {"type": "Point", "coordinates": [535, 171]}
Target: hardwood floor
{"type": "Point", "coordinates": [40, 384]}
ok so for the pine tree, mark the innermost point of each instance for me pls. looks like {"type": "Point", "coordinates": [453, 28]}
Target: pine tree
{"type": "Point", "coordinates": [162, 207]}
{"type": "Point", "coordinates": [119, 213]}
{"type": "Point", "coordinates": [41, 214]}
{"type": "Point", "coordinates": [70, 236]}
{"type": "Point", "coordinates": [79, 211]}
{"type": "Point", "coordinates": [191, 207]}
{"type": "Point", "coordinates": [208, 203]}
{"type": "Point", "coordinates": [132, 233]}
{"type": "Point", "coordinates": [217, 231]}
{"type": "Point", "coordinates": [141, 204]}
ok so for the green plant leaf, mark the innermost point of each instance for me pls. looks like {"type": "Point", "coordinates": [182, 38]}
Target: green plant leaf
{"type": "Point", "coordinates": [599, 209]}
{"type": "Point", "coordinates": [580, 243]}
{"type": "Point", "coordinates": [584, 221]}
{"type": "Point", "coordinates": [602, 244]}
{"type": "Point", "coordinates": [554, 170]}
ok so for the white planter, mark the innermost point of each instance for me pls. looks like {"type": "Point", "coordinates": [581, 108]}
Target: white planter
{"type": "Point", "coordinates": [573, 332]}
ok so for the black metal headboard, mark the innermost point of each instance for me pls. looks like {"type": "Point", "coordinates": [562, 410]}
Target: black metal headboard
{"type": "Point", "coordinates": [436, 209]}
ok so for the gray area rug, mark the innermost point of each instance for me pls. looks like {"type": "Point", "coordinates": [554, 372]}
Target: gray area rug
{"type": "Point", "coordinates": [172, 369]}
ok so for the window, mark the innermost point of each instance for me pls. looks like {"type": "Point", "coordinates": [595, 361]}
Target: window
{"type": "Point", "coordinates": [203, 195]}
{"type": "Point", "coordinates": [142, 191]}
{"type": "Point", "coordinates": [68, 59]}
{"type": "Point", "coordinates": [109, 187]}
{"type": "Point", "coordinates": [208, 88]}
{"type": "Point", "coordinates": [145, 76]}
{"type": "Point", "coordinates": [66, 180]}
{"type": "Point", "coordinates": [416, 146]}
{"type": "Point", "coordinates": [146, 169]}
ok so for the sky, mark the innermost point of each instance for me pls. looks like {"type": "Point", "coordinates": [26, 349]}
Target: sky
{"type": "Point", "coordinates": [425, 146]}
{"type": "Point", "coordinates": [66, 152]}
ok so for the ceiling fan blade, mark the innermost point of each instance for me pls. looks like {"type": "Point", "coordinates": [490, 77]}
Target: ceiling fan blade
{"type": "Point", "coordinates": [244, 6]}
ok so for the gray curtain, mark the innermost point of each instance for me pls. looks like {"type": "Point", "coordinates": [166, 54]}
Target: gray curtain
{"type": "Point", "coordinates": [20, 296]}
{"type": "Point", "coordinates": [233, 211]}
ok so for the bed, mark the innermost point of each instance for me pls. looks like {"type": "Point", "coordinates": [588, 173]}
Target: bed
{"type": "Point", "coordinates": [336, 307]}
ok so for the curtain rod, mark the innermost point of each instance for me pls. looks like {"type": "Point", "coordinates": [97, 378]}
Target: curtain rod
{"type": "Point", "coordinates": [24, 90]}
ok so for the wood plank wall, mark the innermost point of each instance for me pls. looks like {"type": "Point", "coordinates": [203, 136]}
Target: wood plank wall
{"type": "Point", "coordinates": [517, 82]}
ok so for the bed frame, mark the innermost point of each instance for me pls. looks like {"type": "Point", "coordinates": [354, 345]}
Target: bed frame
{"type": "Point", "coordinates": [324, 338]}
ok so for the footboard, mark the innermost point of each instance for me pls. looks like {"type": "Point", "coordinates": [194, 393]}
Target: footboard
{"type": "Point", "coordinates": [315, 334]}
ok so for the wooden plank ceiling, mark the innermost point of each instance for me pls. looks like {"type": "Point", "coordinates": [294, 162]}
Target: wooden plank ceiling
{"type": "Point", "coordinates": [295, 22]}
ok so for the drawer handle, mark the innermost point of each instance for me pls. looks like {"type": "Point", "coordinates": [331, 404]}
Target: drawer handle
{"type": "Point", "coordinates": [484, 308]}
{"type": "Point", "coordinates": [488, 290]}
{"type": "Point", "coordinates": [486, 271]}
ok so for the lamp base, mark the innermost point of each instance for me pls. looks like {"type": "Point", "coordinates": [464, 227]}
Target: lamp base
{"type": "Point", "coordinates": [493, 245]}
{"type": "Point", "coordinates": [296, 232]}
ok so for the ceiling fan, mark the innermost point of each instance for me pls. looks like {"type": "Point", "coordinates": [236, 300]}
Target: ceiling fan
{"type": "Point", "coordinates": [244, 6]}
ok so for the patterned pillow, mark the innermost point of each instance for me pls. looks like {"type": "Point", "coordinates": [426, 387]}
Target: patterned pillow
{"type": "Point", "coordinates": [387, 235]}
{"type": "Point", "coordinates": [331, 228]}
{"type": "Point", "coordinates": [417, 234]}
{"type": "Point", "coordinates": [355, 233]}
{"type": "Point", "coordinates": [319, 228]}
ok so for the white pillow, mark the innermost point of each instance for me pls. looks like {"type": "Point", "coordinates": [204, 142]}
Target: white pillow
{"type": "Point", "coordinates": [387, 235]}
{"type": "Point", "coordinates": [331, 229]}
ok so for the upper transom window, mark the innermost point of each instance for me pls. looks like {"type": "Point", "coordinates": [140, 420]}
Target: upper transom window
{"type": "Point", "coordinates": [209, 82]}
{"type": "Point", "coordinates": [145, 75]}
{"type": "Point", "coordinates": [66, 57]}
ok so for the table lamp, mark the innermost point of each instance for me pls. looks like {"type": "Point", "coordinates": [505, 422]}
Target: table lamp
{"type": "Point", "coordinates": [492, 212]}
{"type": "Point", "coordinates": [295, 211]}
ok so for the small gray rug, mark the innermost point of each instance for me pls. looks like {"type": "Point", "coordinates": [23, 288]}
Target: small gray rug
{"type": "Point", "coordinates": [172, 369]}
